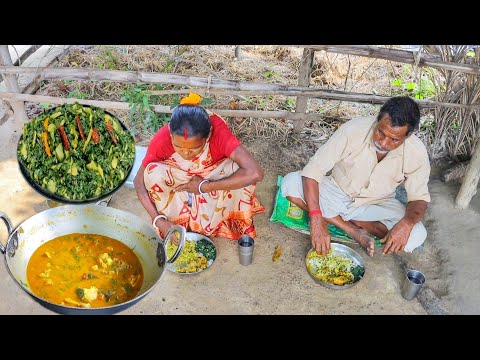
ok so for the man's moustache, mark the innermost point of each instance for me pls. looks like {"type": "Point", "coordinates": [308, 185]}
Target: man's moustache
{"type": "Point", "coordinates": [379, 148]}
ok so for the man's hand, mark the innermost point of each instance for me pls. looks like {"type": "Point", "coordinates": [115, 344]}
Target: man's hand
{"type": "Point", "coordinates": [191, 186]}
{"type": "Point", "coordinates": [319, 235]}
{"type": "Point", "coordinates": [397, 238]}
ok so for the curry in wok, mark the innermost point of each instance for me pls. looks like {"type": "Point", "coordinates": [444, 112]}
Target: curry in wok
{"type": "Point", "coordinates": [84, 270]}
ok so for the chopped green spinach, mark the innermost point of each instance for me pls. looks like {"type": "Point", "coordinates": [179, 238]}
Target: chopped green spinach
{"type": "Point", "coordinates": [87, 169]}
{"type": "Point", "coordinates": [206, 248]}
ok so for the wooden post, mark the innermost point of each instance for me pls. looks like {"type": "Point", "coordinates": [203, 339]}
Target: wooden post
{"type": "Point", "coordinates": [470, 182]}
{"type": "Point", "coordinates": [237, 52]}
{"type": "Point", "coordinates": [304, 72]}
{"type": "Point", "coordinates": [12, 86]}
{"type": "Point", "coordinates": [24, 56]}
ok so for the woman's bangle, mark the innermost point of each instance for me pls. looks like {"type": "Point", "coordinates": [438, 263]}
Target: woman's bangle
{"type": "Point", "coordinates": [200, 186]}
{"type": "Point", "coordinates": [315, 212]}
{"type": "Point", "coordinates": [154, 221]}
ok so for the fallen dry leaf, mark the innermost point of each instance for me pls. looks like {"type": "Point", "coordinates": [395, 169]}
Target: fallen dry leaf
{"type": "Point", "coordinates": [277, 253]}
{"type": "Point", "coordinates": [233, 104]}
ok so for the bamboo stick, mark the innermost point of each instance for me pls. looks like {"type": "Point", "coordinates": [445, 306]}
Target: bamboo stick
{"type": "Point", "coordinates": [404, 56]}
{"type": "Point", "coordinates": [157, 108]}
{"type": "Point", "coordinates": [233, 87]}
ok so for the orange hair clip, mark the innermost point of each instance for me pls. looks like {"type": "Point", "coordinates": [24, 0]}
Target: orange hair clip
{"type": "Point", "coordinates": [191, 99]}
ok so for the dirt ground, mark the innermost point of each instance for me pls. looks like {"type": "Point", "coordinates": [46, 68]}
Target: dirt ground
{"type": "Point", "coordinates": [283, 287]}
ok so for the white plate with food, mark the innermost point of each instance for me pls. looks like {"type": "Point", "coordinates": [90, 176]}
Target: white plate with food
{"type": "Point", "coordinates": [198, 254]}
{"type": "Point", "coordinates": [341, 268]}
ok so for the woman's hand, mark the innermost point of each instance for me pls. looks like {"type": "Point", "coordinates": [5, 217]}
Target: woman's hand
{"type": "Point", "coordinates": [191, 186]}
{"type": "Point", "coordinates": [163, 227]}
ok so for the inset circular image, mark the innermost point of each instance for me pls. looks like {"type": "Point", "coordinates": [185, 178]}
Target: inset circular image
{"type": "Point", "coordinates": [76, 153]}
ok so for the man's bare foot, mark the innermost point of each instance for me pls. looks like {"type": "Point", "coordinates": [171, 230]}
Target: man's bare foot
{"type": "Point", "coordinates": [365, 240]}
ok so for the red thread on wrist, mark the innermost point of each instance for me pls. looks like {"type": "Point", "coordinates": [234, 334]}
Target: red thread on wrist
{"type": "Point", "coordinates": [315, 212]}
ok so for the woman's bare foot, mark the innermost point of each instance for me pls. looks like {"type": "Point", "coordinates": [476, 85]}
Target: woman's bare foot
{"type": "Point", "coordinates": [365, 240]}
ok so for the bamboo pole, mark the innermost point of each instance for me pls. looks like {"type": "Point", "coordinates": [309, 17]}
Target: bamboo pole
{"type": "Point", "coordinates": [166, 109]}
{"type": "Point", "coordinates": [404, 56]}
{"type": "Point", "coordinates": [157, 108]}
{"type": "Point", "coordinates": [304, 72]}
{"type": "Point", "coordinates": [89, 74]}
{"type": "Point", "coordinates": [216, 84]}
{"type": "Point", "coordinates": [12, 85]}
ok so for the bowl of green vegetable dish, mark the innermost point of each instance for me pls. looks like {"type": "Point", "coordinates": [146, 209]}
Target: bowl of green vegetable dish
{"type": "Point", "coordinates": [75, 153]}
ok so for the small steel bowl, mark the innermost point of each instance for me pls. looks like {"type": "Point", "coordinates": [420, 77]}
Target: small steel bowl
{"type": "Point", "coordinates": [194, 237]}
{"type": "Point", "coordinates": [345, 251]}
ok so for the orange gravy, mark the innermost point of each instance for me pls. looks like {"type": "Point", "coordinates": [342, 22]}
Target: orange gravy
{"type": "Point", "coordinates": [85, 270]}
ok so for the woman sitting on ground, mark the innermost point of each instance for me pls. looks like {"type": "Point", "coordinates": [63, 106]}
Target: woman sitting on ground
{"type": "Point", "coordinates": [198, 175]}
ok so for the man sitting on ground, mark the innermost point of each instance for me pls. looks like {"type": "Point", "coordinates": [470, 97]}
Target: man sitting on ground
{"type": "Point", "coordinates": [369, 157]}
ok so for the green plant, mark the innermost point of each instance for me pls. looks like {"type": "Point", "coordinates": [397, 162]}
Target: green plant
{"type": "Point", "coordinates": [206, 101]}
{"type": "Point", "coordinates": [110, 58]}
{"type": "Point", "coordinates": [141, 102]}
{"type": "Point", "coordinates": [425, 89]}
{"type": "Point", "coordinates": [75, 93]}
{"type": "Point", "coordinates": [169, 66]}
{"type": "Point", "coordinates": [269, 74]}
{"type": "Point", "coordinates": [141, 109]}
{"type": "Point", "coordinates": [290, 104]}
{"type": "Point", "coordinates": [427, 124]}
{"type": "Point", "coordinates": [456, 124]}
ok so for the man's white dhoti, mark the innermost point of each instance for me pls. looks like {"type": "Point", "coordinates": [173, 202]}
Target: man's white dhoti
{"type": "Point", "coordinates": [333, 202]}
